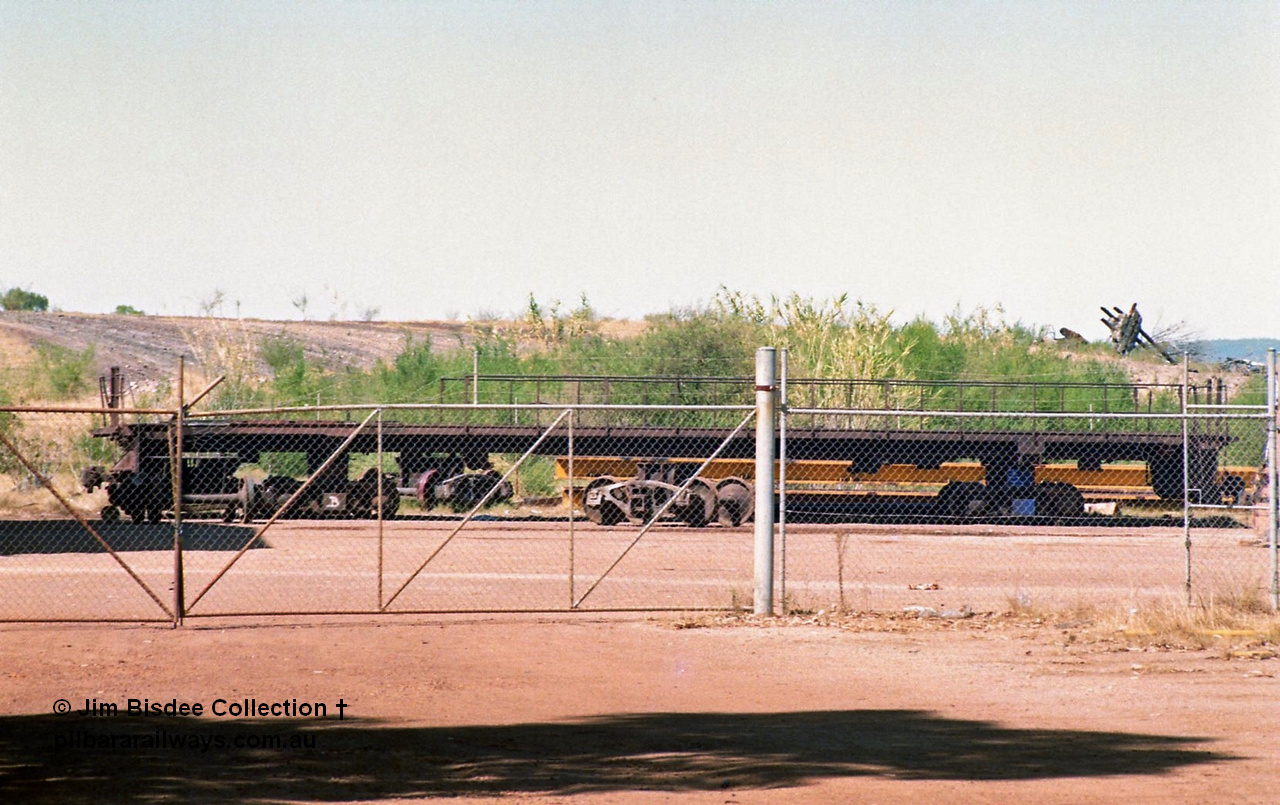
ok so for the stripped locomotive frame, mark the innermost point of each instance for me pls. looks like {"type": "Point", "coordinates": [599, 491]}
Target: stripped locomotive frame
{"type": "Point", "coordinates": [450, 463]}
{"type": "Point", "coordinates": [443, 462]}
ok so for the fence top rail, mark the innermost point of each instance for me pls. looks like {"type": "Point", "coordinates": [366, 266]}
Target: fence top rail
{"type": "Point", "coordinates": [313, 409]}
{"type": "Point", "coordinates": [1228, 407]}
{"type": "Point", "coordinates": [84, 409]}
{"type": "Point", "coordinates": [744, 380]}
{"type": "Point", "coordinates": [943, 414]}
{"type": "Point", "coordinates": [747, 381]}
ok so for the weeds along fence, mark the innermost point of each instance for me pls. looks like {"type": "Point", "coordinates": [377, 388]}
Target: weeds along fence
{"type": "Point", "coordinates": [569, 494]}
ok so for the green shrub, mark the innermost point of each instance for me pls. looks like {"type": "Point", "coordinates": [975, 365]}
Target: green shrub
{"type": "Point", "coordinates": [64, 373]}
{"type": "Point", "coordinates": [291, 464]}
{"type": "Point", "coordinates": [20, 299]}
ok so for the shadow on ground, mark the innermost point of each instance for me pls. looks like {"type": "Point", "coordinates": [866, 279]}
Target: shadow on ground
{"type": "Point", "coordinates": [68, 536]}
{"type": "Point", "coordinates": [69, 758]}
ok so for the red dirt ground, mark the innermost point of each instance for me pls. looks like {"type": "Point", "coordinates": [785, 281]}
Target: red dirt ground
{"type": "Point", "coordinates": [638, 709]}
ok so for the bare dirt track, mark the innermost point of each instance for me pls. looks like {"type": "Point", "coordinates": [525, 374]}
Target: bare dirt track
{"type": "Point", "coordinates": [610, 709]}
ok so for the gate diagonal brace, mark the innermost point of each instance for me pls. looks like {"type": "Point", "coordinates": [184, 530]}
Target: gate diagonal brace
{"type": "Point", "coordinates": [280, 511]}
{"type": "Point", "coordinates": [483, 502]}
{"type": "Point", "coordinates": [83, 522]}
{"type": "Point", "coordinates": [663, 510]}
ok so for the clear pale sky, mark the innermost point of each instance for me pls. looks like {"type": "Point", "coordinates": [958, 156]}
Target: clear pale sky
{"type": "Point", "coordinates": [436, 159]}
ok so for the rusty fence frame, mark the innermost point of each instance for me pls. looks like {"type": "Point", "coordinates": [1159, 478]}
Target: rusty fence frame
{"type": "Point", "coordinates": [171, 614]}
{"type": "Point", "coordinates": [566, 415]}
{"type": "Point", "coordinates": [1265, 415]}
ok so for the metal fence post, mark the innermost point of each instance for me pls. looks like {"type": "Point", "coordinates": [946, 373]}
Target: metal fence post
{"type": "Point", "coordinates": [782, 484]}
{"type": "Point", "coordinates": [766, 378]}
{"type": "Point", "coordinates": [175, 477]}
{"type": "Point", "coordinates": [1273, 445]}
{"type": "Point", "coordinates": [573, 415]}
{"type": "Point", "coordinates": [1186, 472]}
{"type": "Point", "coordinates": [378, 498]}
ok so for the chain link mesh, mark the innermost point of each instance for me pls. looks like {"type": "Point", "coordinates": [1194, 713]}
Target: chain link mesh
{"type": "Point", "coordinates": [982, 496]}
{"type": "Point", "coordinates": [58, 559]}
{"type": "Point", "coordinates": [582, 493]}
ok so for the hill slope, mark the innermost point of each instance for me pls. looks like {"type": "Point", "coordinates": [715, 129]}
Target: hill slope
{"type": "Point", "coordinates": [148, 347]}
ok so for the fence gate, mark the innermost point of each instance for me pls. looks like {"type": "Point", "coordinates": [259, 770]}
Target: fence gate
{"type": "Point", "coordinates": [684, 544]}
{"type": "Point", "coordinates": [58, 560]}
{"type": "Point", "coordinates": [311, 509]}
{"type": "Point", "coordinates": [487, 537]}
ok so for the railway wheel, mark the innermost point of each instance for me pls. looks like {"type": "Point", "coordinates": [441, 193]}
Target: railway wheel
{"type": "Point", "coordinates": [274, 492]}
{"type": "Point", "coordinates": [365, 496]}
{"type": "Point", "coordinates": [598, 506]}
{"type": "Point", "coordinates": [961, 499]}
{"type": "Point", "coordinates": [1058, 499]}
{"type": "Point", "coordinates": [1165, 472]}
{"type": "Point", "coordinates": [109, 514]}
{"type": "Point", "coordinates": [425, 489]}
{"type": "Point", "coordinates": [701, 508]}
{"type": "Point", "coordinates": [735, 502]}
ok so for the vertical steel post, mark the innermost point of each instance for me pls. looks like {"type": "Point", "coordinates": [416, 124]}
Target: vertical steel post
{"type": "Point", "coordinates": [175, 476]}
{"type": "Point", "coordinates": [1273, 484]}
{"type": "Point", "coordinates": [572, 415]}
{"type": "Point", "coordinates": [378, 499]}
{"type": "Point", "coordinates": [1186, 473]}
{"type": "Point", "coordinates": [782, 484]}
{"type": "Point", "coordinates": [766, 379]}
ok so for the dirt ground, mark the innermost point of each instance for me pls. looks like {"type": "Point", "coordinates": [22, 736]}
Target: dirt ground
{"type": "Point", "coordinates": [634, 709]}
{"type": "Point", "coordinates": [52, 570]}
{"type": "Point", "coordinates": [148, 347]}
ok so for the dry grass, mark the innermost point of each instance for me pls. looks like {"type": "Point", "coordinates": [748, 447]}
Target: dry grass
{"type": "Point", "coordinates": [1239, 626]}
{"type": "Point", "coordinates": [1230, 624]}
{"type": "Point", "coordinates": [38, 504]}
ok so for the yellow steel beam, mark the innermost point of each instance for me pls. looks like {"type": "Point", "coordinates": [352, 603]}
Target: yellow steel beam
{"type": "Point", "coordinates": [1111, 476]}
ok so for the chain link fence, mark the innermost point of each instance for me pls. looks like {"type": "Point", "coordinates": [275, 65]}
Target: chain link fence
{"type": "Point", "coordinates": [950, 498]}
{"type": "Point", "coordinates": [550, 494]}
{"type": "Point", "coordinates": [58, 559]}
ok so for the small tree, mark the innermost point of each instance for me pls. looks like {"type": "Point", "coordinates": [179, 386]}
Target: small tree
{"type": "Point", "coordinates": [128, 310]}
{"type": "Point", "coordinates": [20, 299]}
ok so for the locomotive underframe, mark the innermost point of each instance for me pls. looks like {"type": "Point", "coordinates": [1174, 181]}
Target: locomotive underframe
{"type": "Point", "coordinates": [439, 460]}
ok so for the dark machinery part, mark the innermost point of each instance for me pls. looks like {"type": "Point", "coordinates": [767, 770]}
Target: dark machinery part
{"type": "Point", "coordinates": [1127, 333]}
{"type": "Point", "coordinates": [965, 499]}
{"type": "Point", "coordinates": [141, 490]}
{"type": "Point", "coordinates": [459, 482]}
